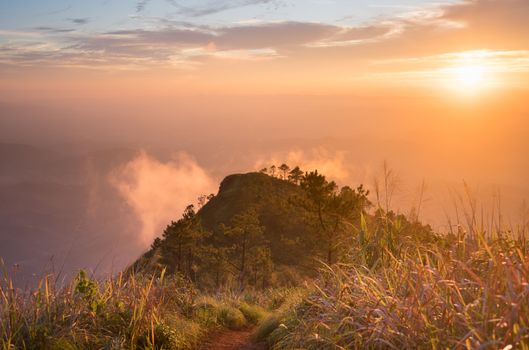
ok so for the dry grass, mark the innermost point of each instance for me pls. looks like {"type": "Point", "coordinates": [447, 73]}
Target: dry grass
{"type": "Point", "coordinates": [137, 312]}
{"type": "Point", "coordinates": [464, 291]}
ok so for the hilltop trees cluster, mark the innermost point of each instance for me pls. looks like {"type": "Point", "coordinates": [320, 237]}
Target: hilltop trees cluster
{"type": "Point", "coordinates": [260, 224]}
{"type": "Point", "coordinates": [284, 172]}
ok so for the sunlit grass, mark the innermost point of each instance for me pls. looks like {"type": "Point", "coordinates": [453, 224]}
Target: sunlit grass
{"type": "Point", "coordinates": [126, 312]}
{"type": "Point", "coordinates": [467, 291]}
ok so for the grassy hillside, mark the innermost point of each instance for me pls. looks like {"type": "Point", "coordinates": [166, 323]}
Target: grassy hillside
{"type": "Point", "coordinates": [384, 281]}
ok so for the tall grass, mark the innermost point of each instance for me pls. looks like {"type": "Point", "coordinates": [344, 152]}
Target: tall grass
{"type": "Point", "coordinates": [467, 290]}
{"type": "Point", "coordinates": [127, 312]}
{"type": "Point", "coordinates": [133, 312]}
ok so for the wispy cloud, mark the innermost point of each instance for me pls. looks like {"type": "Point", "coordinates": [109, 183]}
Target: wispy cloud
{"type": "Point", "coordinates": [140, 6]}
{"type": "Point", "coordinates": [172, 46]}
{"type": "Point", "coordinates": [54, 30]}
{"type": "Point", "coordinates": [79, 21]}
{"type": "Point", "coordinates": [447, 66]}
{"type": "Point", "coordinates": [499, 26]}
{"type": "Point", "coordinates": [60, 10]}
{"type": "Point", "coordinates": [198, 9]}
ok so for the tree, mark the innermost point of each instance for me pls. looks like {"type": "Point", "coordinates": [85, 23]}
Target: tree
{"type": "Point", "coordinates": [333, 210]}
{"type": "Point", "coordinates": [295, 175]}
{"type": "Point", "coordinates": [204, 199]}
{"type": "Point", "coordinates": [214, 264]}
{"type": "Point", "coordinates": [273, 169]}
{"type": "Point", "coordinates": [247, 236]}
{"type": "Point", "coordinates": [284, 170]}
{"type": "Point", "coordinates": [261, 266]}
{"type": "Point", "coordinates": [184, 240]}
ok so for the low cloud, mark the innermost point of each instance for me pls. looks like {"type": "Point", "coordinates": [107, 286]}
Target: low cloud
{"type": "Point", "coordinates": [158, 192]}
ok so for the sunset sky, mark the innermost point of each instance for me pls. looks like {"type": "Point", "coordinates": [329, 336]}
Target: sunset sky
{"type": "Point", "coordinates": [262, 46]}
{"type": "Point", "coordinates": [439, 89]}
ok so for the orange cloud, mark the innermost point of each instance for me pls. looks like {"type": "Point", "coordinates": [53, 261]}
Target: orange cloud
{"type": "Point", "coordinates": [159, 192]}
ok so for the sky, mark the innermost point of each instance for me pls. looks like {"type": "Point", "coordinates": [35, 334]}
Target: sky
{"type": "Point", "coordinates": [438, 89]}
{"type": "Point", "coordinates": [262, 46]}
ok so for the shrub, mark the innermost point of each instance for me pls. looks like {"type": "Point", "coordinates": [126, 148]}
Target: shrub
{"type": "Point", "coordinates": [266, 327]}
{"type": "Point", "coordinates": [252, 313]}
{"type": "Point", "coordinates": [231, 317]}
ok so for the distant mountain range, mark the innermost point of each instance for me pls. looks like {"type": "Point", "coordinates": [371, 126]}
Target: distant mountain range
{"type": "Point", "coordinates": [58, 211]}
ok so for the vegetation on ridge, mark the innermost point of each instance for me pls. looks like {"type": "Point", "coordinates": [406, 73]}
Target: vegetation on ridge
{"type": "Point", "coordinates": [248, 257]}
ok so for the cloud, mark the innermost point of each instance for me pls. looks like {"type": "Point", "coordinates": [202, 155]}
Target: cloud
{"type": "Point", "coordinates": [257, 36]}
{"type": "Point", "coordinates": [54, 30]}
{"type": "Point", "coordinates": [179, 47]}
{"type": "Point", "coordinates": [428, 31]}
{"type": "Point", "coordinates": [140, 6]}
{"type": "Point", "coordinates": [61, 10]}
{"type": "Point", "coordinates": [79, 21]}
{"type": "Point", "coordinates": [209, 7]}
{"type": "Point", "coordinates": [275, 35]}
{"type": "Point", "coordinates": [158, 192]}
{"type": "Point", "coordinates": [495, 61]}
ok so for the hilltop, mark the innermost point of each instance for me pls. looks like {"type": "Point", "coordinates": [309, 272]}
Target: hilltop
{"type": "Point", "coordinates": [274, 200]}
{"type": "Point", "coordinates": [263, 229]}
{"type": "Point", "coordinates": [284, 231]}
{"type": "Point", "coordinates": [285, 262]}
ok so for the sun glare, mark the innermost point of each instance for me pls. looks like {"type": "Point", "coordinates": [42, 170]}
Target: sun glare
{"type": "Point", "coordinates": [469, 73]}
{"type": "Point", "coordinates": [468, 77]}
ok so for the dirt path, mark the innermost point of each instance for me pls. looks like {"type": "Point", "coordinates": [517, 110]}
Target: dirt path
{"type": "Point", "coordinates": [232, 340]}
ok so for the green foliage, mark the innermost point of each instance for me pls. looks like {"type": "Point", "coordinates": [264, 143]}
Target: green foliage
{"type": "Point", "coordinates": [231, 317]}
{"type": "Point", "coordinates": [158, 338]}
{"type": "Point", "coordinates": [266, 328]}
{"type": "Point", "coordinates": [118, 313]}
{"type": "Point", "coordinates": [84, 286]}
{"type": "Point", "coordinates": [252, 313]}
{"type": "Point", "coordinates": [249, 249]}
{"type": "Point", "coordinates": [183, 244]}
{"type": "Point", "coordinates": [334, 212]}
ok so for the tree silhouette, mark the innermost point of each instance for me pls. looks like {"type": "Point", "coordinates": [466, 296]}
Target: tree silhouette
{"type": "Point", "coordinates": [183, 242]}
{"type": "Point", "coordinates": [284, 171]}
{"type": "Point", "coordinates": [295, 175]}
{"type": "Point", "coordinates": [273, 169]}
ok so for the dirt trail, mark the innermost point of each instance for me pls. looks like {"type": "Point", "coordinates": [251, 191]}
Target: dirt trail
{"type": "Point", "coordinates": [232, 340]}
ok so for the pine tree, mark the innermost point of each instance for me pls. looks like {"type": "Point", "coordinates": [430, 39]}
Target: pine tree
{"type": "Point", "coordinates": [247, 236]}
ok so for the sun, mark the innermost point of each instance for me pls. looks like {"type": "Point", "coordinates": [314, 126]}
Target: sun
{"type": "Point", "coordinates": [468, 77]}
{"type": "Point", "coordinates": [469, 73]}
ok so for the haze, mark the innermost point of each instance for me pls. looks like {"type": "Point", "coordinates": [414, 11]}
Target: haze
{"type": "Point", "coordinates": [114, 115]}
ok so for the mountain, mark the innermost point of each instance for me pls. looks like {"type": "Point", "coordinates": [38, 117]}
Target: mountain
{"type": "Point", "coordinates": [255, 231]}
{"type": "Point", "coordinates": [263, 230]}
{"type": "Point", "coordinates": [285, 223]}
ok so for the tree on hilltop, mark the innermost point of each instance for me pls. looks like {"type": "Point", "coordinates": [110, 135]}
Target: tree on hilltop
{"type": "Point", "coordinates": [333, 210]}
{"type": "Point", "coordinates": [284, 171]}
{"type": "Point", "coordinates": [295, 175]}
{"type": "Point", "coordinates": [247, 236]}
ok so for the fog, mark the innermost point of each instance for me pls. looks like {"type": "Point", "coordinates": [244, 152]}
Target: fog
{"type": "Point", "coordinates": [90, 182]}
{"type": "Point", "coordinates": [158, 191]}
